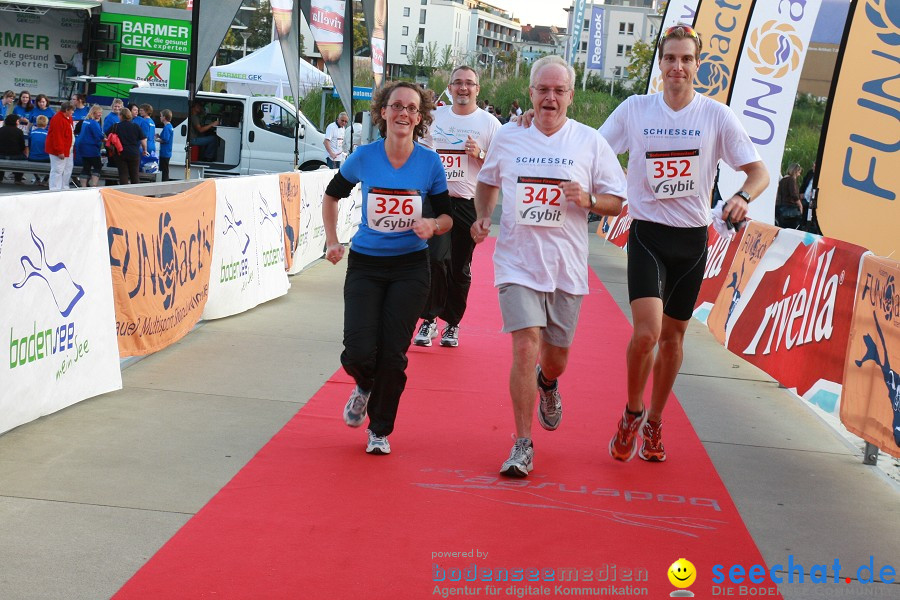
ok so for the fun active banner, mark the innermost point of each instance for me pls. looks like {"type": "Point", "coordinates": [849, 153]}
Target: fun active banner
{"type": "Point", "coordinates": [58, 314]}
{"type": "Point", "coordinates": [858, 178]}
{"type": "Point", "coordinates": [720, 254]}
{"type": "Point", "coordinates": [617, 233]}
{"type": "Point", "coordinates": [793, 318]}
{"type": "Point", "coordinates": [291, 197]}
{"type": "Point", "coordinates": [757, 239]}
{"type": "Point", "coordinates": [248, 256]}
{"type": "Point", "coordinates": [722, 27]}
{"type": "Point", "coordinates": [870, 402]}
{"type": "Point", "coordinates": [160, 254]}
{"type": "Point", "coordinates": [677, 11]}
{"type": "Point", "coordinates": [763, 96]}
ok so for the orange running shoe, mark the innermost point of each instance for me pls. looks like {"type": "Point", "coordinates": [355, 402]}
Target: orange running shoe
{"type": "Point", "coordinates": [652, 447]}
{"type": "Point", "coordinates": [623, 445]}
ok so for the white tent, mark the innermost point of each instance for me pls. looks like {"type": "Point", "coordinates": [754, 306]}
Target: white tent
{"type": "Point", "coordinates": [263, 73]}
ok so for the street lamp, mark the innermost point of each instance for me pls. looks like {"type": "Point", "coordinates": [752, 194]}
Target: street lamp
{"type": "Point", "coordinates": [246, 35]}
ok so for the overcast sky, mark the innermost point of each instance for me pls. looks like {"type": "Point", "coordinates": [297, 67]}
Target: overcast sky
{"type": "Point", "coordinates": [536, 12]}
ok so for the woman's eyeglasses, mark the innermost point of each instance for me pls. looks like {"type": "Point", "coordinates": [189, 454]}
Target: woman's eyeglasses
{"type": "Point", "coordinates": [411, 109]}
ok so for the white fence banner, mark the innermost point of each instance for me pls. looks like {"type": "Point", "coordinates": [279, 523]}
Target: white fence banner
{"type": "Point", "coordinates": [248, 253]}
{"type": "Point", "coordinates": [58, 314]}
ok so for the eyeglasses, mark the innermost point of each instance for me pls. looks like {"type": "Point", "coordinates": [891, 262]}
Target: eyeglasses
{"type": "Point", "coordinates": [543, 91]}
{"type": "Point", "coordinates": [461, 83]}
{"type": "Point", "coordinates": [687, 29]}
{"type": "Point", "coordinates": [412, 109]}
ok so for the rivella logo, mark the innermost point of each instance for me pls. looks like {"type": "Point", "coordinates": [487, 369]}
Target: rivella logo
{"type": "Point", "coordinates": [885, 15]}
{"type": "Point", "coordinates": [713, 75]}
{"type": "Point", "coordinates": [66, 292]}
{"type": "Point", "coordinates": [775, 49]}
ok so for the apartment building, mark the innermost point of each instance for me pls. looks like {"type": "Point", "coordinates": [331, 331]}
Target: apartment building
{"type": "Point", "coordinates": [471, 31]}
{"type": "Point", "coordinates": [541, 40]}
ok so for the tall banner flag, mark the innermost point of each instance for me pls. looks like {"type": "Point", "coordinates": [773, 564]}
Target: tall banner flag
{"type": "Point", "coordinates": [763, 96]}
{"type": "Point", "coordinates": [577, 26]}
{"type": "Point", "coordinates": [595, 39]}
{"type": "Point", "coordinates": [858, 178]}
{"type": "Point", "coordinates": [215, 18]}
{"type": "Point", "coordinates": [286, 19]}
{"type": "Point", "coordinates": [870, 403]}
{"type": "Point", "coordinates": [375, 12]}
{"type": "Point", "coordinates": [794, 314]}
{"type": "Point", "coordinates": [677, 11]}
{"type": "Point", "coordinates": [722, 27]}
{"type": "Point", "coordinates": [57, 315]}
{"type": "Point", "coordinates": [160, 255]}
{"type": "Point", "coordinates": [331, 23]}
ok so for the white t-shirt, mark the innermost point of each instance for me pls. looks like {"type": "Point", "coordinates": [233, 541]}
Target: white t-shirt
{"type": "Point", "coordinates": [447, 135]}
{"type": "Point", "coordinates": [675, 150]}
{"type": "Point", "coordinates": [334, 133]}
{"type": "Point", "coordinates": [547, 258]}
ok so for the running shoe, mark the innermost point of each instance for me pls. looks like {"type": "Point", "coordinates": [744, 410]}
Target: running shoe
{"type": "Point", "coordinates": [355, 409]}
{"type": "Point", "coordinates": [623, 446]}
{"type": "Point", "coordinates": [451, 336]}
{"type": "Point", "coordinates": [550, 406]}
{"type": "Point", "coordinates": [652, 447]}
{"type": "Point", "coordinates": [378, 444]}
{"type": "Point", "coordinates": [521, 459]}
{"type": "Point", "coordinates": [427, 330]}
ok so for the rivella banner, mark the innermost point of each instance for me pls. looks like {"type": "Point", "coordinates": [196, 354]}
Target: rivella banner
{"type": "Point", "coordinates": [31, 42]}
{"type": "Point", "coordinates": [763, 96]}
{"type": "Point", "coordinates": [677, 11]}
{"type": "Point", "coordinates": [870, 403]}
{"type": "Point", "coordinates": [248, 256]}
{"type": "Point", "coordinates": [858, 178]}
{"type": "Point", "coordinates": [794, 317]}
{"type": "Point", "coordinates": [722, 27]}
{"type": "Point", "coordinates": [619, 228]}
{"type": "Point", "coordinates": [57, 304]}
{"type": "Point", "coordinates": [720, 254]}
{"type": "Point", "coordinates": [160, 255]}
{"type": "Point", "coordinates": [331, 24]}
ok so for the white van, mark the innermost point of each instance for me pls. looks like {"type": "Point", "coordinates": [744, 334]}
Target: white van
{"type": "Point", "coordinates": [255, 133]}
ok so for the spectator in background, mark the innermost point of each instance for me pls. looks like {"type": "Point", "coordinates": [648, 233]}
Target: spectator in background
{"type": "Point", "coordinates": [23, 109]}
{"type": "Point", "coordinates": [12, 144]}
{"type": "Point", "coordinates": [134, 145]}
{"type": "Point", "coordinates": [165, 138]}
{"type": "Point", "coordinates": [204, 134]}
{"type": "Point", "coordinates": [113, 117]}
{"type": "Point", "coordinates": [7, 103]}
{"type": "Point", "coordinates": [81, 109]}
{"type": "Point", "coordinates": [356, 131]}
{"type": "Point", "coordinates": [334, 141]}
{"type": "Point", "coordinates": [37, 141]}
{"type": "Point", "coordinates": [41, 107]}
{"type": "Point", "coordinates": [806, 192]}
{"type": "Point", "coordinates": [76, 63]}
{"type": "Point", "coordinates": [88, 145]}
{"type": "Point", "coordinates": [135, 111]}
{"type": "Point", "coordinates": [788, 206]}
{"type": "Point", "coordinates": [60, 143]}
{"type": "Point", "coordinates": [145, 122]}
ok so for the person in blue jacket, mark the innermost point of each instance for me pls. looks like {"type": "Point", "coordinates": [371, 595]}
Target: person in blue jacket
{"type": "Point", "coordinates": [145, 120]}
{"type": "Point", "coordinates": [404, 203]}
{"type": "Point", "coordinates": [165, 138]}
{"type": "Point", "coordinates": [41, 107]}
{"type": "Point", "coordinates": [88, 145]}
{"type": "Point", "coordinates": [36, 152]}
{"type": "Point", "coordinates": [113, 117]}
{"type": "Point", "coordinates": [23, 109]}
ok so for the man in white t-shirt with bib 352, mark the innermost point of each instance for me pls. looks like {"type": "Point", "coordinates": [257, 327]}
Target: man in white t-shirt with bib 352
{"type": "Point", "coordinates": [675, 140]}
{"type": "Point", "coordinates": [461, 134]}
{"type": "Point", "coordinates": [552, 174]}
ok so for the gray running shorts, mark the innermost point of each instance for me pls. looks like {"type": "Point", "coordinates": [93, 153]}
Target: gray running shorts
{"type": "Point", "coordinates": [556, 313]}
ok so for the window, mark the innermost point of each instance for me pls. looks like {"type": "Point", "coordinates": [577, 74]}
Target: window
{"type": "Point", "coordinates": [405, 11]}
{"type": "Point", "coordinates": [422, 17]}
{"type": "Point", "coordinates": [424, 2]}
{"type": "Point", "coordinates": [584, 46]}
{"type": "Point", "coordinates": [631, 29]}
{"type": "Point", "coordinates": [627, 50]}
{"type": "Point", "coordinates": [274, 118]}
{"type": "Point", "coordinates": [420, 53]}
{"type": "Point", "coordinates": [620, 50]}
{"type": "Point", "coordinates": [403, 50]}
{"type": "Point", "coordinates": [621, 27]}
{"type": "Point", "coordinates": [421, 38]}
{"type": "Point", "coordinates": [405, 30]}
{"type": "Point", "coordinates": [617, 72]}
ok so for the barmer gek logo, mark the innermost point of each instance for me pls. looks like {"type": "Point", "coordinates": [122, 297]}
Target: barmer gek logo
{"type": "Point", "coordinates": [712, 75]}
{"type": "Point", "coordinates": [65, 290]}
{"type": "Point", "coordinates": [885, 15]}
{"type": "Point", "coordinates": [891, 377]}
{"type": "Point", "coordinates": [774, 49]}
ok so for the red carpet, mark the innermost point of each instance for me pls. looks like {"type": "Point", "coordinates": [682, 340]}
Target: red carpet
{"type": "Point", "coordinates": [313, 516]}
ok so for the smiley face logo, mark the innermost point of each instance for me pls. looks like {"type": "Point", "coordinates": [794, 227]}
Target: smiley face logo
{"type": "Point", "coordinates": [682, 573]}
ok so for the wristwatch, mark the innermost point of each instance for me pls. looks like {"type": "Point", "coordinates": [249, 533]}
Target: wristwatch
{"type": "Point", "coordinates": [743, 195]}
{"type": "Point", "coordinates": [593, 203]}
{"type": "Point", "coordinates": [481, 155]}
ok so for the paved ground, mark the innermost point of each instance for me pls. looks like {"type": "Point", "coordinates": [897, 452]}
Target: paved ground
{"type": "Point", "coordinates": [87, 495]}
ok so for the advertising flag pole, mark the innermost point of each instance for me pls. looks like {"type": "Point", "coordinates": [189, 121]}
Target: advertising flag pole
{"type": "Point", "coordinates": [191, 84]}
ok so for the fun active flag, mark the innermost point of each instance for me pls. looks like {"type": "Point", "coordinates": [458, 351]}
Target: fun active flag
{"type": "Point", "coordinates": [677, 11]}
{"type": "Point", "coordinates": [722, 27]}
{"type": "Point", "coordinates": [858, 178]}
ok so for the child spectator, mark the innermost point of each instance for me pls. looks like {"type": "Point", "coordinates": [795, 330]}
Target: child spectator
{"type": "Point", "coordinates": [145, 121]}
{"type": "Point", "coordinates": [36, 140]}
{"type": "Point", "coordinates": [165, 138]}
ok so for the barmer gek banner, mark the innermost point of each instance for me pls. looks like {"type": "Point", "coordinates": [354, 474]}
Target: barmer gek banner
{"type": "Point", "coordinates": [57, 302]}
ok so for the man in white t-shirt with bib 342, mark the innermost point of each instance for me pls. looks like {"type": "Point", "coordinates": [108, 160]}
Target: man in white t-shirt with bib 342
{"type": "Point", "coordinates": [552, 175]}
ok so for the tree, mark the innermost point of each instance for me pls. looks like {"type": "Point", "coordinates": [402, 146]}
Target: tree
{"type": "Point", "coordinates": [638, 70]}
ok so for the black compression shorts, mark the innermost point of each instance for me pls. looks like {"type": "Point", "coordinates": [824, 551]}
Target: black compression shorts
{"type": "Point", "coordinates": [666, 262]}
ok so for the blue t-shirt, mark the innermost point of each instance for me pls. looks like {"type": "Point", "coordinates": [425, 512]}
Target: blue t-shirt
{"type": "Point", "coordinates": [36, 141]}
{"type": "Point", "coordinates": [89, 140]}
{"type": "Point", "coordinates": [25, 114]}
{"type": "Point", "coordinates": [149, 128]}
{"type": "Point", "coordinates": [165, 141]}
{"type": "Point", "coordinates": [108, 121]}
{"type": "Point", "coordinates": [81, 113]}
{"type": "Point", "coordinates": [47, 112]}
{"type": "Point", "coordinates": [422, 171]}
